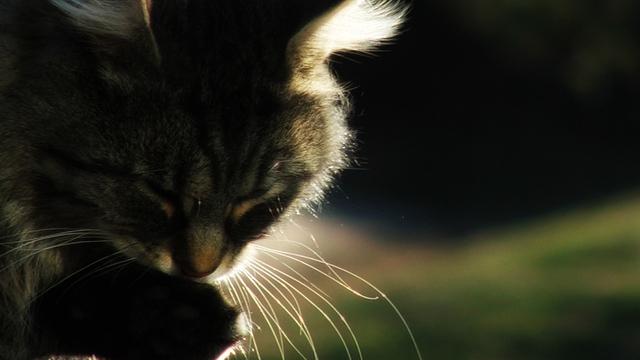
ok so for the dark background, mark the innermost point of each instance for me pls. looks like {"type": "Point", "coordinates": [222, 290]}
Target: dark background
{"type": "Point", "coordinates": [488, 112]}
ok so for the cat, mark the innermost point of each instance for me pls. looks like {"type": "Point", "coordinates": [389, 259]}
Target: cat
{"type": "Point", "coordinates": [144, 145]}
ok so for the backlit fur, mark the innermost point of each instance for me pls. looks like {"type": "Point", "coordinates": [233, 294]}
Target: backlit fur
{"type": "Point", "coordinates": [210, 99]}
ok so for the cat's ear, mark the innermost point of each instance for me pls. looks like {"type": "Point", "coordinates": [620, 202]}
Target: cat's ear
{"type": "Point", "coordinates": [350, 26]}
{"type": "Point", "coordinates": [114, 26]}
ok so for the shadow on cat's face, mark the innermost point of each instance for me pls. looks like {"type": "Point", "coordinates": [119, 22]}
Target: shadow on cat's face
{"type": "Point", "coordinates": [181, 130]}
{"type": "Point", "coordinates": [180, 192]}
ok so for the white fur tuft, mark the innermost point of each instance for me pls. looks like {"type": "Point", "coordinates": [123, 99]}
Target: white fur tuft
{"type": "Point", "coordinates": [359, 25]}
{"type": "Point", "coordinates": [105, 17]}
{"type": "Point", "coordinates": [354, 25]}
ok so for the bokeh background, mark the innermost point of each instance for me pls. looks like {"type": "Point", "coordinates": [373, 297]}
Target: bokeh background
{"type": "Point", "coordinates": [495, 199]}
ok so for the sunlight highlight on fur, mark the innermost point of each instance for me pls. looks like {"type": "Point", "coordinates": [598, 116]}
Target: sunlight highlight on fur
{"type": "Point", "coordinates": [354, 25]}
{"type": "Point", "coordinates": [270, 285]}
{"type": "Point", "coordinates": [228, 353]}
{"type": "Point", "coordinates": [116, 18]}
{"type": "Point", "coordinates": [359, 25]}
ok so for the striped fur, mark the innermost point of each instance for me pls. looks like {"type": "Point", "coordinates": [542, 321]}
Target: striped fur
{"type": "Point", "coordinates": [172, 131]}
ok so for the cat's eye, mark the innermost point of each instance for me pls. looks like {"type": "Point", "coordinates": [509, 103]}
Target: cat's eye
{"type": "Point", "coordinates": [248, 220]}
{"type": "Point", "coordinates": [239, 210]}
{"type": "Point", "coordinates": [168, 199]}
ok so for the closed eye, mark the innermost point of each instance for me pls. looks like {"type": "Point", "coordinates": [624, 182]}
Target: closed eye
{"type": "Point", "coordinates": [248, 220]}
{"type": "Point", "coordinates": [241, 208]}
{"type": "Point", "coordinates": [238, 211]}
{"type": "Point", "coordinates": [168, 199]}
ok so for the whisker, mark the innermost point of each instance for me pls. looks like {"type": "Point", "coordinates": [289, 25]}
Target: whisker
{"type": "Point", "coordinates": [293, 297]}
{"type": "Point", "coordinates": [235, 298]}
{"type": "Point", "coordinates": [298, 257]}
{"type": "Point", "coordinates": [296, 272]}
{"type": "Point", "coordinates": [266, 300]}
{"type": "Point", "coordinates": [280, 329]}
{"type": "Point", "coordinates": [283, 333]}
{"type": "Point", "coordinates": [70, 242]}
{"type": "Point", "coordinates": [301, 228]}
{"type": "Point", "coordinates": [35, 231]}
{"type": "Point", "coordinates": [264, 313]}
{"type": "Point", "coordinates": [299, 321]}
{"type": "Point", "coordinates": [103, 269]}
{"type": "Point", "coordinates": [25, 243]}
{"type": "Point", "coordinates": [244, 294]}
{"type": "Point", "coordinates": [271, 269]}
{"type": "Point", "coordinates": [237, 302]}
{"type": "Point", "coordinates": [319, 259]}
{"type": "Point", "coordinates": [242, 299]}
{"type": "Point", "coordinates": [104, 258]}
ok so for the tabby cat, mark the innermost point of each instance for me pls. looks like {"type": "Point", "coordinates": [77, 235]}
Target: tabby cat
{"type": "Point", "coordinates": [144, 145]}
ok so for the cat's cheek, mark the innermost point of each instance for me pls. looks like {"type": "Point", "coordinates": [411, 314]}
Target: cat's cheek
{"type": "Point", "coordinates": [232, 264]}
{"type": "Point", "coordinates": [164, 262]}
{"type": "Point", "coordinates": [158, 258]}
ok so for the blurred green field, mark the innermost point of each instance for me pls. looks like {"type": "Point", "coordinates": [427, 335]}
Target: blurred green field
{"type": "Point", "coordinates": [563, 287]}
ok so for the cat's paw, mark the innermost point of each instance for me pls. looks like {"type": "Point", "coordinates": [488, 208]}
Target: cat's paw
{"type": "Point", "coordinates": [187, 322]}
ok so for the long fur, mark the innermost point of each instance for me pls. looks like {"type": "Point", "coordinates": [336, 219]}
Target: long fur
{"type": "Point", "coordinates": [352, 26]}
{"type": "Point", "coordinates": [105, 17]}
{"type": "Point", "coordinates": [355, 25]}
{"type": "Point", "coordinates": [250, 79]}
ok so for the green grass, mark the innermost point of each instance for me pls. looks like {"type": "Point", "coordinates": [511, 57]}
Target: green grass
{"type": "Point", "coordinates": [563, 287]}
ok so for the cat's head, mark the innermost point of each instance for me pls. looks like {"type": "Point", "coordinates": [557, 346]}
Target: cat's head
{"type": "Point", "coordinates": [183, 129]}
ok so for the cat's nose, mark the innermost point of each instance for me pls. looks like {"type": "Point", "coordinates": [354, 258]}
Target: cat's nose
{"type": "Point", "coordinates": [195, 275]}
{"type": "Point", "coordinates": [200, 263]}
{"type": "Point", "coordinates": [200, 252]}
{"type": "Point", "coordinates": [198, 269]}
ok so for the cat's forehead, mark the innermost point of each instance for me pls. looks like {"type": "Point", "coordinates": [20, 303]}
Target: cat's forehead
{"type": "Point", "coordinates": [243, 85]}
{"type": "Point", "coordinates": [233, 143]}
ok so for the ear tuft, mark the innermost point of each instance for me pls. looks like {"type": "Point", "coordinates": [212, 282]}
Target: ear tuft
{"type": "Point", "coordinates": [352, 26]}
{"type": "Point", "coordinates": [122, 19]}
